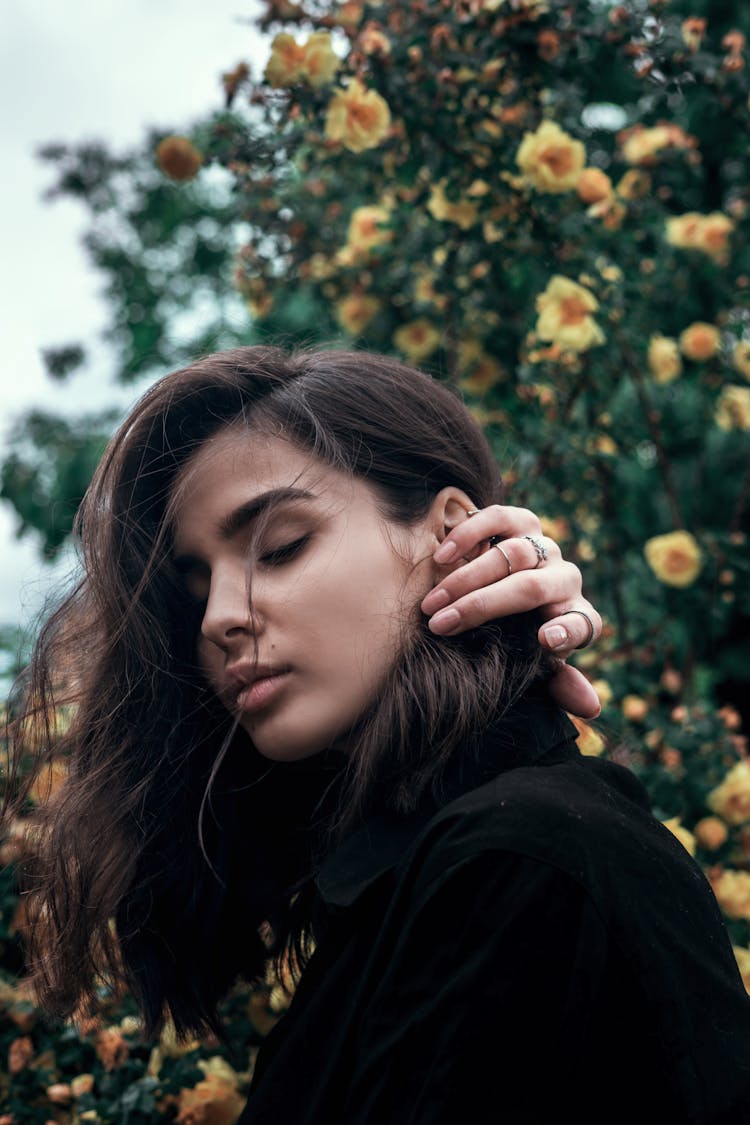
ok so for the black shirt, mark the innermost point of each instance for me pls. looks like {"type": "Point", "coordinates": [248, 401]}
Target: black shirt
{"type": "Point", "coordinates": [537, 948]}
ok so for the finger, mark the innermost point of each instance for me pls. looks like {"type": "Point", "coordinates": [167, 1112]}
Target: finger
{"type": "Point", "coordinates": [520, 592]}
{"type": "Point", "coordinates": [495, 564]}
{"type": "Point", "coordinates": [572, 691]}
{"type": "Point", "coordinates": [497, 519]}
{"type": "Point", "coordinates": [570, 630]}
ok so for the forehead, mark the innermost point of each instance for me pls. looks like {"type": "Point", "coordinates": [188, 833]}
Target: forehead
{"type": "Point", "coordinates": [238, 464]}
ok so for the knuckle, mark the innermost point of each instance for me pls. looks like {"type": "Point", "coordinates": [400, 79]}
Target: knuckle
{"type": "Point", "coordinates": [531, 586]}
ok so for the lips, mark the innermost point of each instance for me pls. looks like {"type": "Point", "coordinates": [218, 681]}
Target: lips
{"type": "Point", "coordinates": [252, 686]}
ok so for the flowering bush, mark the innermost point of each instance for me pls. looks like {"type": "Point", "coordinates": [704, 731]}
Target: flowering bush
{"type": "Point", "coordinates": [546, 205]}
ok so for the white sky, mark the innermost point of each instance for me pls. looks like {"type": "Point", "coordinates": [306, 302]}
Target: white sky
{"type": "Point", "coordinates": [68, 72]}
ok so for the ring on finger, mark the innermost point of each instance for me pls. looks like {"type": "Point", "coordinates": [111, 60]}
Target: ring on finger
{"type": "Point", "coordinates": [592, 630]}
{"type": "Point", "coordinates": [499, 547]}
{"type": "Point", "coordinates": [541, 550]}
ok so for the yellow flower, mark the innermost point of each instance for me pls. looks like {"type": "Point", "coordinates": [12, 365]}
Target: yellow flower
{"type": "Point", "coordinates": [463, 212]}
{"type": "Point", "coordinates": [590, 742]}
{"type": "Point", "coordinates": [675, 558]}
{"type": "Point", "coordinates": [732, 890]}
{"type": "Point", "coordinates": [213, 1101]}
{"type": "Point", "coordinates": [635, 184]}
{"type": "Point", "coordinates": [355, 312]}
{"type": "Point", "coordinates": [418, 339]}
{"type": "Point", "coordinates": [731, 799]}
{"type": "Point", "coordinates": [693, 30]}
{"type": "Point", "coordinates": [424, 289]}
{"type": "Point", "coordinates": [314, 62]}
{"type": "Point", "coordinates": [551, 158]}
{"type": "Point", "coordinates": [700, 341]}
{"type": "Point", "coordinates": [741, 357]}
{"type": "Point", "coordinates": [642, 145]}
{"type": "Point", "coordinates": [479, 371]}
{"type": "Point", "coordinates": [178, 158]}
{"type": "Point", "coordinates": [565, 318]}
{"type": "Point", "coordinates": [707, 233]}
{"type": "Point", "coordinates": [602, 688]}
{"type": "Point", "coordinates": [635, 708]}
{"type": "Point", "coordinates": [367, 229]}
{"type": "Point", "coordinates": [711, 833]}
{"type": "Point", "coordinates": [743, 963]}
{"type": "Point", "coordinates": [733, 409]}
{"type": "Point", "coordinates": [664, 360]}
{"type": "Point", "coordinates": [678, 830]}
{"type": "Point", "coordinates": [593, 185]}
{"type": "Point", "coordinates": [357, 117]}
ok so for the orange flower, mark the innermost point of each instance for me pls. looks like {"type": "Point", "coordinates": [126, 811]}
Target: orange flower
{"type": "Point", "coordinates": [593, 185]}
{"type": "Point", "coordinates": [20, 1054]}
{"type": "Point", "coordinates": [700, 341]}
{"type": "Point", "coordinates": [711, 833]}
{"type": "Point", "coordinates": [356, 311]}
{"type": "Point", "coordinates": [213, 1101]}
{"type": "Point", "coordinates": [178, 158]}
{"type": "Point", "coordinates": [418, 339]}
{"type": "Point", "coordinates": [642, 146]}
{"type": "Point", "coordinates": [551, 159]}
{"type": "Point", "coordinates": [111, 1049]}
{"type": "Point", "coordinates": [708, 233]}
{"type": "Point", "coordinates": [693, 30]}
{"type": "Point", "coordinates": [357, 117]}
{"type": "Point", "coordinates": [635, 184]}
{"type": "Point", "coordinates": [635, 708]}
{"type": "Point", "coordinates": [548, 44]}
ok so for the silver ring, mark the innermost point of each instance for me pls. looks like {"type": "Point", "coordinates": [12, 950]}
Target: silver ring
{"type": "Point", "coordinates": [590, 637]}
{"type": "Point", "coordinates": [541, 550]}
{"type": "Point", "coordinates": [498, 547]}
{"type": "Point", "coordinates": [471, 512]}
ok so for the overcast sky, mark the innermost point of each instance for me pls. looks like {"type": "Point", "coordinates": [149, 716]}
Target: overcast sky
{"type": "Point", "coordinates": [68, 72]}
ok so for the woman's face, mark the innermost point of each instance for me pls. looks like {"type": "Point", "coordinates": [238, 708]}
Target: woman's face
{"type": "Point", "coordinates": [333, 586]}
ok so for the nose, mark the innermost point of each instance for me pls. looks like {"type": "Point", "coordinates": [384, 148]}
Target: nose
{"type": "Point", "coordinates": [228, 615]}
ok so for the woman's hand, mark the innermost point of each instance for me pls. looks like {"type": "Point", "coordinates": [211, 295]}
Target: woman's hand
{"type": "Point", "coordinates": [508, 577]}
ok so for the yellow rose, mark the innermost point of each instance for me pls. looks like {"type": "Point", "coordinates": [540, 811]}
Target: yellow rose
{"type": "Point", "coordinates": [635, 708]}
{"type": "Point", "coordinates": [700, 341]}
{"type": "Point", "coordinates": [664, 358]}
{"type": "Point", "coordinates": [589, 741]}
{"type": "Point", "coordinates": [178, 158]}
{"type": "Point", "coordinates": [355, 312]}
{"type": "Point", "coordinates": [565, 318]}
{"type": "Point", "coordinates": [551, 158]}
{"type": "Point", "coordinates": [707, 233]}
{"type": "Point", "coordinates": [357, 117]}
{"type": "Point", "coordinates": [314, 62]}
{"type": "Point", "coordinates": [367, 229]}
{"type": "Point", "coordinates": [733, 409]}
{"type": "Point", "coordinates": [731, 799]}
{"type": "Point", "coordinates": [642, 145]}
{"type": "Point", "coordinates": [711, 833]}
{"type": "Point", "coordinates": [635, 184]}
{"type": "Point", "coordinates": [732, 890]}
{"type": "Point", "coordinates": [675, 558]}
{"type": "Point", "coordinates": [593, 185]}
{"type": "Point", "coordinates": [418, 339]}
{"type": "Point", "coordinates": [686, 838]}
{"type": "Point", "coordinates": [463, 212]}
{"type": "Point", "coordinates": [743, 963]}
{"type": "Point", "coordinates": [741, 357]}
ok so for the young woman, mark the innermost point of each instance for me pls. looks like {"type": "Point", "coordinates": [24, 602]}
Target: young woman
{"type": "Point", "coordinates": [299, 734]}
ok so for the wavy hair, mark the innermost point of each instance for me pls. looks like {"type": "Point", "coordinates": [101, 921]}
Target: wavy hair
{"type": "Point", "coordinates": [174, 849]}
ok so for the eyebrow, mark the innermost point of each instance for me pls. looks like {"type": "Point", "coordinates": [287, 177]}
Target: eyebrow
{"type": "Point", "coordinates": [244, 514]}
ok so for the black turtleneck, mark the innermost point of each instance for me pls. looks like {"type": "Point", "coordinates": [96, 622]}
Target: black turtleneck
{"type": "Point", "coordinates": [532, 946]}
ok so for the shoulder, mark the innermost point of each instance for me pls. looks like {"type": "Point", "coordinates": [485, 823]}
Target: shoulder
{"type": "Point", "coordinates": [583, 820]}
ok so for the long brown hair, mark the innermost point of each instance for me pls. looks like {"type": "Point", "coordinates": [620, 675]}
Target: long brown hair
{"type": "Point", "coordinates": [170, 824]}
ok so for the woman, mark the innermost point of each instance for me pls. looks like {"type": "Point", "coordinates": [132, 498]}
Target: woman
{"type": "Point", "coordinates": [274, 749]}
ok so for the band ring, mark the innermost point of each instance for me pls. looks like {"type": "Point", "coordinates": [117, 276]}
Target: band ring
{"type": "Point", "coordinates": [592, 630]}
{"type": "Point", "coordinates": [471, 512]}
{"type": "Point", "coordinates": [541, 550]}
{"type": "Point", "coordinates": [499, 547]}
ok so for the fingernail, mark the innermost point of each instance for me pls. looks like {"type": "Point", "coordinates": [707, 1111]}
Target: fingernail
{"type": "Point", "coordinates": [435, 600]}
{"type": "Point", "coordinates": [556, 636]}
{"type": "Point", "coordinates": [445, 621]}
{"type": "Point", "coordinates": [445, 552]}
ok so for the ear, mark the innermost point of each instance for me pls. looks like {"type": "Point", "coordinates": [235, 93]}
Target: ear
{"type": "Point", "coordinates": [449, 508]}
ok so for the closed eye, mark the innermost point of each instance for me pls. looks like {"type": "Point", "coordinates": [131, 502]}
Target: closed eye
{"type": "Point", "coordinates": [284, 554]}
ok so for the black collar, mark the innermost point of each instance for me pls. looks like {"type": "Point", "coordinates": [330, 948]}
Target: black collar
{"type": "Point", "coordinates": [535, 729]}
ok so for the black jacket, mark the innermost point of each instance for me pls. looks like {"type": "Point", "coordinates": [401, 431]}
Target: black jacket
{"type": "Point", "coordinates": [538, 948]}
